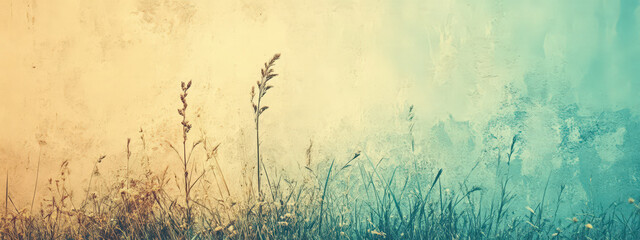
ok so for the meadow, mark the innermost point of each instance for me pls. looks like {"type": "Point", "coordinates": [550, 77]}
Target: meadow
{"type": "Point", "coordinates": [353, 198]}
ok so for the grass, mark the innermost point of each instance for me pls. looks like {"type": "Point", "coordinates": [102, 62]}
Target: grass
{"type": "Point", "coordinates": [185, 158]}
{"type": "Point", "coordinates": [267, 73]}
{"type": "Point", "coordinates": [352, 198]}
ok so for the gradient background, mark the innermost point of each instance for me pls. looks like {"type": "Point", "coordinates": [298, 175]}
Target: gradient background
{"type": "Point", "coordinates": [83, 76]}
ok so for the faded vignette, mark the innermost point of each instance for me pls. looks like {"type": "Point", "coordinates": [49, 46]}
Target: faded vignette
{"type": "Point", "coordinates": [411, 119]}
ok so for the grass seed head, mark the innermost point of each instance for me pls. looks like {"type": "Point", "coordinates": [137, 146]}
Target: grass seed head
{"type": "Point", "coordinates": [530, 210]}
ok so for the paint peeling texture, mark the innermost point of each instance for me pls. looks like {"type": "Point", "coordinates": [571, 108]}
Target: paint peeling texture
{"type": "Point", "coordinates": [562, 78]}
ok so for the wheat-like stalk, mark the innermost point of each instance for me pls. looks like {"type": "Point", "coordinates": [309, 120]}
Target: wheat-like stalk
{"type": "Point", "coordinates": [185, 158]}
{"type": "Point", "coordinates": [267, 73]}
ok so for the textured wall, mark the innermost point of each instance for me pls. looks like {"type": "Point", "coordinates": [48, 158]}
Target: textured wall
{"type": "Point", "coordinates": [80, 77]}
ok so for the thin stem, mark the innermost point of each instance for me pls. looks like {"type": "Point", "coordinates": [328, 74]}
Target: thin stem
{"type": "Point", "coordinates": [258, 141]}
{"type": "Point", "coordinates": [324, 192]}
{"type": "Point", "coordinates": [95, 166]}
{"type": "Point", "coordinates": [128, 156]}
{"type": "Point", "coordinates": [266, 74]}
{"type": "Point", "coordinates": [186, 174]}
{"type": "Point", "coordinates": [257, 119]}
{"type": "Point", "coordinates": [186, 126]}
{"type": "Point", "coordinates": [35, 187]}
{"type": "Point", "coordinates": [6, 194]}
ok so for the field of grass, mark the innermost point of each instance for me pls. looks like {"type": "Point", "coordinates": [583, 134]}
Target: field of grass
{"type": "Point", "coordinates": [353, 198]}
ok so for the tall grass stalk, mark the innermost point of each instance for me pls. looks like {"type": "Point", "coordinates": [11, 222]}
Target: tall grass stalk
{"type": "Point", "coordinates": [6, 194]}
{"type": "Point", "coordinates": [267, 73]}
{"type": "Point", "coordinates": [212, 153]}
{"type": "Point", "coordinates": [35, 184]}
{"type": "Point", "coordinates": [324, 194]}
{"type": "Point", "coordinates": [94, 172]}
{"type": "Point", "coordinates": [128, 159]}
{"type": "Point", "coordinates": [185, 158]}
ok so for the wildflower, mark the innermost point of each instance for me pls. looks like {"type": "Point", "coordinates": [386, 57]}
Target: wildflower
{"type": "Point", "coordinates": [574, 219]}
{"type": "Point", "coordinates": [588, 225]}
{"type": "Point", "coordinates": [631, 200]}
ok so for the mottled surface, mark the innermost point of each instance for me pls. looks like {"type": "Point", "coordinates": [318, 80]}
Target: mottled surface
{"type": "Point", "coordinates": [80, 77]}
